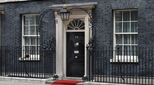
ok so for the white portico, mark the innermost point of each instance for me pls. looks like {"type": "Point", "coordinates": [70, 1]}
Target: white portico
{"type": "Point", "coordinates": [73, 49]}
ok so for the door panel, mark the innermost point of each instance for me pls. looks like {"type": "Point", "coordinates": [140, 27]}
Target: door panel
{"type": "Point", "coordinates": [75, 54]}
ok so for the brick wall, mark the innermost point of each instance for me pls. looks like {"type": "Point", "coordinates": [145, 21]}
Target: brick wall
{"type": "Point", "coordinates": [103, 20]}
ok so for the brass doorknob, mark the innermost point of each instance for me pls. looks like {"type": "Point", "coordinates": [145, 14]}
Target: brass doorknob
{"type": "Point", "coordinates": [76, 57]}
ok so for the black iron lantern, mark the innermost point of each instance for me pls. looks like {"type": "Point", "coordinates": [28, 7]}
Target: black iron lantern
{"type": "Point", "coordinates": [64, 13]}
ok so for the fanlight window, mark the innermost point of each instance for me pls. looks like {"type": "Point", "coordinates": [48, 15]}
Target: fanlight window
{"type": "Point", "coordinates": [76, 24]}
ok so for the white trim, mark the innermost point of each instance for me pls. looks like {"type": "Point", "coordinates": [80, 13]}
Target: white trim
{"type": "Point", "coordinates": [31, 35]}
{"type": "Point", "coordinates": [4, 1]}
{"type": "Point", "coordinates": [87, 5]}
{"type": "Point", "coordinates": [127, 33]}
{"type": "Point", "coordinates": [31, 58]}
{"type": "Point", "coordinates": [75, 30]}
{"type": "Point", "coordinates": [126, 10]}
{"type": "Point", "coordinates": [59, 46]}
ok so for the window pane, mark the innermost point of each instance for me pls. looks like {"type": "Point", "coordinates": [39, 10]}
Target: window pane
{"type": "Point", "coordinates": [118, 39]}
{"type": "Point", "coordinates": [26, 20]}
{"type": "Point", "coordinates": [127, 50]}
{"type": "Point", "coordinates": [27, 50]}
{"type": "Point", "coordinates": [32, 20]}
{"type": "Point", "coordinates": [134, 27]}
{"type": "Point", "coordinates": [27, 41]}
{"type": "Point", "coordinates": [31, 50]}
{"type": "Point", "coordinates": [37, 20]}
{"type": "Point", "coordinates": [134, 15]}
{"type": "Point", "coordinates": [34, 50]}
{"type": "Point", "coordinates": [118, 50]}
{"type": "Point", "coordinates": [26, 30]}
{"type": "Point", "coordinates": [118, 16]}
{"type": "Point", "coordinates": [126, 39]}
{"type": "Point", "coordinates": [37, 30]}
{"type": "Point", "coordinates": [126, 27]}
{"type": "Point", "coordinates": [126, 16]}
{"type": "Point", "coordinates": [134, 50]}
{"type": "Point", "coordinates": [134, 39]}
{"type": "Point", "coordinates": [35, 41]}
{"type": "Point", "coordinates": [32, 30]}
{"type": "Point", "coordinates": [119, 27]}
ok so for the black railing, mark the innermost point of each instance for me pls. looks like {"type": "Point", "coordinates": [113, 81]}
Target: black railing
{"type": "Point", "coordinates": [31, 63]}
{"type": "Point", "coordinates": [125, 66]}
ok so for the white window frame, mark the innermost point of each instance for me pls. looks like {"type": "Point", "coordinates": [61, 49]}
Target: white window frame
{"type": "Point", "coordinates": [125, 58]}
{"type": "Point", "coordinates": [32, 57]}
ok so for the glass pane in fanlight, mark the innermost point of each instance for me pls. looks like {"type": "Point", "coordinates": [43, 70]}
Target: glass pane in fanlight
{"type": "Point", "coordinates": [76, 24]}
{"type": "Point", "coordinates": [118, 27]}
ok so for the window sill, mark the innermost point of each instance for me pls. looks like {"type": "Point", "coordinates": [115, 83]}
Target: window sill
{"type": "Point", "coordinates": [125, 59]}
{"type": "Point", "coordinates": [31, 58]}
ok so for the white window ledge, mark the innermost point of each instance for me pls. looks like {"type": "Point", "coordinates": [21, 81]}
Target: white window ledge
{"type": "Point", "coordinates": [31, 58]}
{"type": "Point", "coordinates": [125, 59]}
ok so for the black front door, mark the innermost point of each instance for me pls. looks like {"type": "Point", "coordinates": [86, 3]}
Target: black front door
{"type": "Point", "coordinates": [75, 54]}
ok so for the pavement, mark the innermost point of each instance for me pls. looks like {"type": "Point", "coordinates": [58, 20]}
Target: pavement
{"type": "Point", "coordinates": [21, 81]}
{"type": "Point", "coordinates": [28, 81]}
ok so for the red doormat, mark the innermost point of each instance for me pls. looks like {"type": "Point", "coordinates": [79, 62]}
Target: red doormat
{"type": "Point", "coordinates": [65, 82]}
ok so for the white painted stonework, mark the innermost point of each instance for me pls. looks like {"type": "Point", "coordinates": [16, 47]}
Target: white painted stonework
{"type": "Point", "coordinates": [1, 1]}
{"type": "Point", "coordinates": [61, 40]}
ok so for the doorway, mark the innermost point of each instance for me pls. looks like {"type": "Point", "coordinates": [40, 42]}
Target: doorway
{"type": "Point", "coordinates": [75, 48]}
